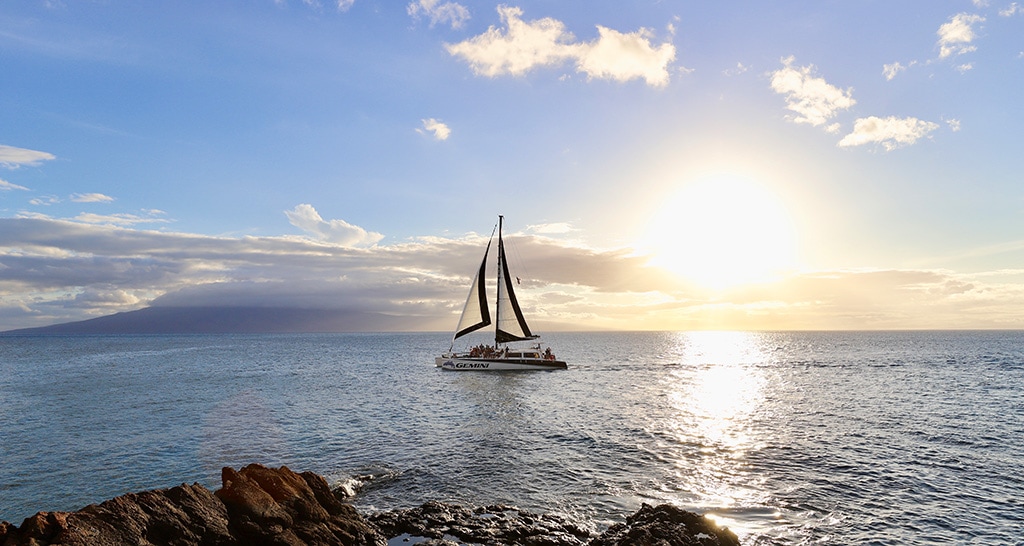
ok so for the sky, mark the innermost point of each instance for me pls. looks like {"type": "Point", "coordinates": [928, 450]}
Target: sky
{"type": "Point", "coordinates": [662, 164]}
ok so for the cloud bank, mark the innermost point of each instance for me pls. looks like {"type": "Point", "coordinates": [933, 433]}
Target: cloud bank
{"type": "Point", "coordinates": [59, 270]}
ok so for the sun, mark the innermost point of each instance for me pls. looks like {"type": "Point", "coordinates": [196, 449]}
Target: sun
{"type": "Point", "coordinates": [722, 231]}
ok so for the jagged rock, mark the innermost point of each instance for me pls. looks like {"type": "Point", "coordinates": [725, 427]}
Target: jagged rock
{"type": "Point", "coordinates": [666, 525]}
{"type": "Point", "coordinates": [277, 507]}
{"type": "Point", "coordinates": [187, 514]}
{"type": "Point", "coordinates": [256, 505]}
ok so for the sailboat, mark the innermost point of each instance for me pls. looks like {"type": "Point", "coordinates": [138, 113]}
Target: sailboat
{"type": "Point", "coordinates": [510, 326]}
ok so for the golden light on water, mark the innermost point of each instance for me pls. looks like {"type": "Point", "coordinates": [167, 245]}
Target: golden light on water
{"type": "Point", "coordinates": [717, 392]}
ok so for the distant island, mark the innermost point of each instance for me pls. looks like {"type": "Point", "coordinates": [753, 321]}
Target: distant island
{"type": "Point", "coordinates": [233, 320]}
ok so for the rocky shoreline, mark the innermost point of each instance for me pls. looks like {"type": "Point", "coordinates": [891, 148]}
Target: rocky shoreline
{"type": "Point", "coordinates": [265, 506]}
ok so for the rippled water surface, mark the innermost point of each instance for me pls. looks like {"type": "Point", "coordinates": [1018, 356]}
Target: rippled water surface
{"type": "Point", "coordinates": [787, 438]}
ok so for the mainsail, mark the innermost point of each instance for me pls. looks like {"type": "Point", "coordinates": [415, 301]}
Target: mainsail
{"type": "Point", "coordinates": [511, 324]}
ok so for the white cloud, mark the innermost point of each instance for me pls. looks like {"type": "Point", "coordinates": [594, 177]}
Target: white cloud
{"type": "Point", "coordinates": [12, 158]}
{"type": "Point", "coordinates": [891, 70]}
{"type": "Point", "coordinates": [623, 57]}
{"type": "Point", "coordinates": [1011, 10]}
{"type": "Point", "coordinates": [91, 198]}
{"type": "Point", "coordinates": [7, 186]}
{"type": "Point", "coordinates": [890, 132]}
{"type": "Point", "coordinates": [438, 12]}
{"type": "Point", "coordinates": [339, 232]}
{"type": "Point", "coordinates": [522, 46]}
{"type": "Point", "coordinates": [440, 130]}
{"type": "Point", "coordinates": [814, 100]}
{"type": "Point", "coordinates": [956, 36]}
{"type": "Point", "coordinates": [954, 124]}
{"type": "Point", "coordinates": [964, 68]}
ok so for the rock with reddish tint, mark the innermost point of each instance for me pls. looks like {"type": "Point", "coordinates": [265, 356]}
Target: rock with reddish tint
{"type": "Point", "coordinates": [666, 525]}
{"type": "Point", "coordinates": [268, 506]}
{"type": "Point", "coordinates": [257, 506]}
{"type": "Point", "coordinates": [187, 514]}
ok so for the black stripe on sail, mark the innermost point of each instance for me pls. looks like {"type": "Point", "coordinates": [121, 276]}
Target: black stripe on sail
{"type": "Point", "coordinates": [481, 295]}
{"type": "Point", "coordinates": [502, 336]}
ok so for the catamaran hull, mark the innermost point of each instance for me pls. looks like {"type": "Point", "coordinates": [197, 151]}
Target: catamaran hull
{"type": "Point", "coordinates": [471, 364]}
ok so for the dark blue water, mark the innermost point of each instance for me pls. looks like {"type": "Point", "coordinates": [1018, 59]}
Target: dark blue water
{"type": "Point", "coordinates": [788, 438]}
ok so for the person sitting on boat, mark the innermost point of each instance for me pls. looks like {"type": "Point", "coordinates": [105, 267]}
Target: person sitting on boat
{"type": "Point", "coordinates": [548, 355]}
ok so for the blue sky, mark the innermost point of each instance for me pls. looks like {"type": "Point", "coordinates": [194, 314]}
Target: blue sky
{"type": "Point", "coordinates": [662, 164]}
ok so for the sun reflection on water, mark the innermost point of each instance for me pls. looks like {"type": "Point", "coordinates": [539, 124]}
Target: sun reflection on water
{"type": "Point", "coordinates": [715, 396]}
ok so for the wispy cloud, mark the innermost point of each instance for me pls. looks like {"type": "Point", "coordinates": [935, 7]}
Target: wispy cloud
{"type": "Point", "coordinates": [120, 219]}
{"type": "Point", "coordinates": [7, 186]}
{"type": "Point", "coordinates": [91, 198]}
{"type": "Point", "coordinates": [740, 68]}
{"type": "Point", "coordinates": [44, 201]}
{"type": "Point", "coordinates": [814, 100]}
{"type": "Point", "coordinates": [451, 13]}
{"type": "Point", "coordinates": [340, 232]}
{"type": "Point", "coordinates": [1011, 10]}
{"type": "Point", "coordinates": [12, 158]}
{"type": "Point", "coordinates": [522, 46]}
{"type": "Point", "coordinates": [341, 5]}
{"type": "Point", "coordinates": [956, 36]}
{"type": "Point", "coordinates": [891, 132]}
{"type": "Point", "coordinates": [436, 128]}
{"type": "Point", "coordinates": [551, 229]}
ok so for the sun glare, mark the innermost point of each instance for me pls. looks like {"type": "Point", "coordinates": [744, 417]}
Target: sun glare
{"type": "Point", "coordinates": [722, 231]}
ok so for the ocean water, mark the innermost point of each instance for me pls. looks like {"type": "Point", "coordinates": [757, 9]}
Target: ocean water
{"type": "Point", "coordinates": [787, 438]}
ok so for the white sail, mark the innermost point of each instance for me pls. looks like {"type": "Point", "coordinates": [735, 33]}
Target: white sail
{"type": "Point", "coordinates": [511, 325]}
{"type": "Point", "coordinates": [475, 314]}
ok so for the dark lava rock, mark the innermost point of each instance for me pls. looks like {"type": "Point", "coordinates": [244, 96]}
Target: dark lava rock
{"type": "Point", "coordinates": [277, 507]}
{"type": "Point", "coordinates": [666, 525]}
{"type": "Point", "coordinates": [444, 523]}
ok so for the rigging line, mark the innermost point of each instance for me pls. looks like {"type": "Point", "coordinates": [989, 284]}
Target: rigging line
{"type": "Point", "coordinates": [520, 263]}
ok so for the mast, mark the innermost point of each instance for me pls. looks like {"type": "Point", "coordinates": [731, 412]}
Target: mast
{"type": "Point", "coordinates": [511, 325]}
